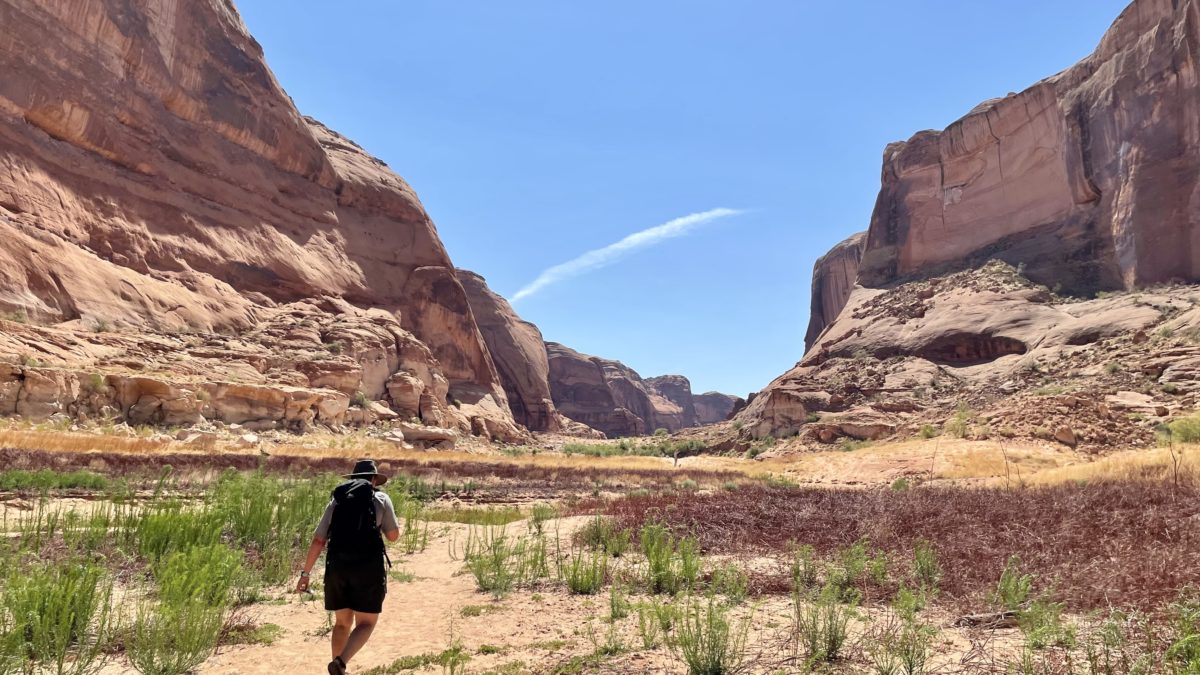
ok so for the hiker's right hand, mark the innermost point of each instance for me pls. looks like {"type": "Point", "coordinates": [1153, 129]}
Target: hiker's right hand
{"type": "Point", "coordinates": [302, 585]}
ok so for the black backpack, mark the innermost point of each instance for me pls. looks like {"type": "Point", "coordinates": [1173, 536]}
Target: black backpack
{"type": "Point", "coordinates": [353, 535]}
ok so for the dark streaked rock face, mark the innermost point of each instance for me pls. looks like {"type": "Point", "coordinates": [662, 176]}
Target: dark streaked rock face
{"type": "Point", "coordinates": [519, 353]}
{"type": "Point", "coordinates": [834, 275]}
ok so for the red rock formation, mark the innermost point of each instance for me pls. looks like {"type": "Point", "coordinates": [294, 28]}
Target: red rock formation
{"type": "Point", "coordinates": [154, 176]}
{"type": "Point", "coordinates": [611, 397]}
{"type": "Point", "coordinates": [519, 353]}
{"type": "Point", "coordinates": [834, 275]}
{"type": "Point", "coordinates": [1089, 179]}
{"type": "Point", "coordinates": [713, 407]}
{"type": "Point", "coordinates": [581, 392]}
{"type": "Point", "coordinates": [678, 390]}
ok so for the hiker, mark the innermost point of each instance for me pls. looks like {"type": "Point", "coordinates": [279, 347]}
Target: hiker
{"type": "Point", "coordinates": [355, 576]}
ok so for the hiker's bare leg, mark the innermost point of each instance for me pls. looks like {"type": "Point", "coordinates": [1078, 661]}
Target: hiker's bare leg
{"type": "Point", "coordinates": [343, 622]}
{"type": "Point", "coordinates": [364, 624]}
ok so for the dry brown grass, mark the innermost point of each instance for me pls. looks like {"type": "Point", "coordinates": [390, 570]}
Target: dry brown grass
{"type": "Point", "coordinates": [61, 441]}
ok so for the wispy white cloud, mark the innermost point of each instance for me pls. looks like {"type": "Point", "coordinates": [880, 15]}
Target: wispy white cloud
{"type": "Point", "coordinates": [593, 260]}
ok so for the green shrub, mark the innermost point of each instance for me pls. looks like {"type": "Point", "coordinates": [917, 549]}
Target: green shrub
{"type": "Point", "coordinates": [1012, 592]}
{"type": "Point", "coordinates": [959, 426]}
{"type": "Point", "coordinates": [821, 624]}
{"type": "Point", "coordinates": [618, 604]}
{"type": "Point", "coordinates": [648, 627]}
{"type": "Point", "coordinates": [1186, 430]}
{"type": "Point", "coordinates": [1184, 650]}
{"type": "Point", "coordinates": [585, 572]}
{"type": "Point", "coordinates": [173, 640]}
{"type": "Point", "coordinates": [926, 570]}
{"type": "Point", "coordinates": [928, 431]}
{"type": "Point", "coordinates": [908, 603]}
{"type": "Point", "coordinates": [205, 574]}
{"type": "Point", "coordinates": [601, 533]}
{"type": "Point", "coordinates": [708, 641]}
{"type": "Point", "coordinates": [671, 566]}
{"type": "Point", "coordinates": [732, 582]}
{"type": "Point", "coordinates": [804, 568]}
{"type": "Point", "coordinates": [58, 617]}
{"type": "Point", "coordinates": [844, 574]}
{"type": "Point", "coordinates": [1044, 626]}
{"type": "Point", "coordinates": [359, 400]}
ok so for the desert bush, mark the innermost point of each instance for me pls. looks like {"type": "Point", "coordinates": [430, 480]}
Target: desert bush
{"type": "Point", "coordinates": [539, 515]}
{"type": "Point", "coordinates": [43, 480]}
{"type": "Point", "coordinates": [732, 582]}
{"type": "Point", "coordinates": [58, 618]}
{"type": "Point", "coordinates": [1043, 624]}
{"type": "Point", "coordinates": [1186, 430]}
{"type": "Point", "coordinates": [821, 624]}
{"type": "Point", "coordinates": [804, 567]}
{"type": "Point", "coordinates": [173, 640]}
{"type": "Point", "coordinates": [928, 431]}
{"type": "Point", "coordinates": [844, 573]}
{"type": "Point", "coordinates": [1184, 650]}
{"type": "Point", "coordinates": [601, 533]}
{"type": "Point", "coordinates": [585, 572]}
{"type": "Point", "coordinates": [959, 426]}
{"type": "Point", "coordinates": [618, 603]}
{"type": "Point", "coordinates": [926, 570]}
{"type": "Point", "coordinates": [205, 574]}
{"type": "Point", "coordinates": [908, 603]}
{"type": "Point", "coordinates": [1013, 589]}
{"type": "Point", "coordinates": [649, 628]}
{"type": "Point", "coordinates": [672, 566]}
{"type": "Point", "coordinates": [708, 640]}
{"type": "Point", "coordinates": [900, 648]}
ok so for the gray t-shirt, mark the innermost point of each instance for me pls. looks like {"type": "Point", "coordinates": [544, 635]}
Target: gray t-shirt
{"type": "Point", "coordinates": [385, 516]}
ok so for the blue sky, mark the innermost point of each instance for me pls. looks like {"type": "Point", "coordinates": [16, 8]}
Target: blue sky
{"type": "Point", "coordinates": [536, 131]}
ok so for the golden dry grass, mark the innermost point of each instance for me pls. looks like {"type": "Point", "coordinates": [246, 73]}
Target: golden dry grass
{"type": "Point", "coordinates": [1154, 464]}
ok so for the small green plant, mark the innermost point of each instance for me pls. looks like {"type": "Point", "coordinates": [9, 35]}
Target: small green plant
{"type": "Point", "coordinates": [908, 603]}
{"type": "Point", "coordinates": [1185, 631]}
{"type": "Point", "coordinates": [1170, 388]}
{"type": "Point", "coordinates": [804, 567]}
{"type": "Point", "coordinates": [601, 533]}
{"type": "Point", "coordinates": [959, 426]}
{"type": "Point", "coordinates": [844, 574]}
{"type": "Point", "coordinates": [928, 431]}
{"type": "Point", "coordinates": [672, 566]}
{"type": "Point", "coordinates": [359, 400]}
{"type": "Point", "coordinates": [821, 624]}
{"type": "Point", "coordinates": [58, 618]}
{"type": "Point", "coordinates": [648, 626]}
{"type": "Point", "coordinates": [585, 572]}
{"type": "Point", "coordinates": [618, 603]}
{"type": "Point", "coordinates": [1014, 588]}
{"type": "Point", "coordinates": [1044, 626]}
{"type": "Point", "coordinates": [1186, 430]}
{"type": "Point", "coordinates": [1113, 367]}
{"type": "Point", "coordinates": [173, 640]}
{"type": "Point", "coordinates": [708, 640]}
{"type": "Point", "coordinates": [926, 570]}
{"type": "Point", "coordinates": [732, 582]}
{"type": "Point", "coordinates": [901, 485]}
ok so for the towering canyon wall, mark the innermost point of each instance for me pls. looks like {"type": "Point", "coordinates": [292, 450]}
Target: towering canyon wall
{"type": "Point", "coordinates": [1088, 179]}
{"type": "Point", "coordinates": [834, 276]}
{"type": "Point", "coordinates": [1085, 181]}
{"type": "Point", "coordinates": [155, 177]}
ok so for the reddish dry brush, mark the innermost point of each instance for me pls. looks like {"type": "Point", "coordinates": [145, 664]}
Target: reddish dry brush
{"type": "Point", "coordinates": [1112, 544]}
{"type": "Point", "coordinates": [546, 481]}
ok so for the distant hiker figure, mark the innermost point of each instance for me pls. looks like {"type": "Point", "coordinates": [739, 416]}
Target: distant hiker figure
{"type": "Point", "coordinates": [354, 524]}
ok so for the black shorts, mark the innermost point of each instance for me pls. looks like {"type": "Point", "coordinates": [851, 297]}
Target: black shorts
{"type": "Point", "coordinates": [359, 587]}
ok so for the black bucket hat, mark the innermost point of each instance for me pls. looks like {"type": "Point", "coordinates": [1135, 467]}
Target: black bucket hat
{"type": "Point", "coordinates": [365, 468]}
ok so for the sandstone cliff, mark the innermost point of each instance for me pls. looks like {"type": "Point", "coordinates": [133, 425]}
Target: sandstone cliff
{"type": "Point", "coordinates": [611, 397]}
{"type": "Point", "coordinates": [713, 407]}
{"type": "Point", "coordinates": [519, 353]}
{"type": "Point", "coordinates": [834, 276]}
{"type": "Point", "coordinates": [1087, 180]}
{"type": "Point", "coordinates": [155, 178]}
